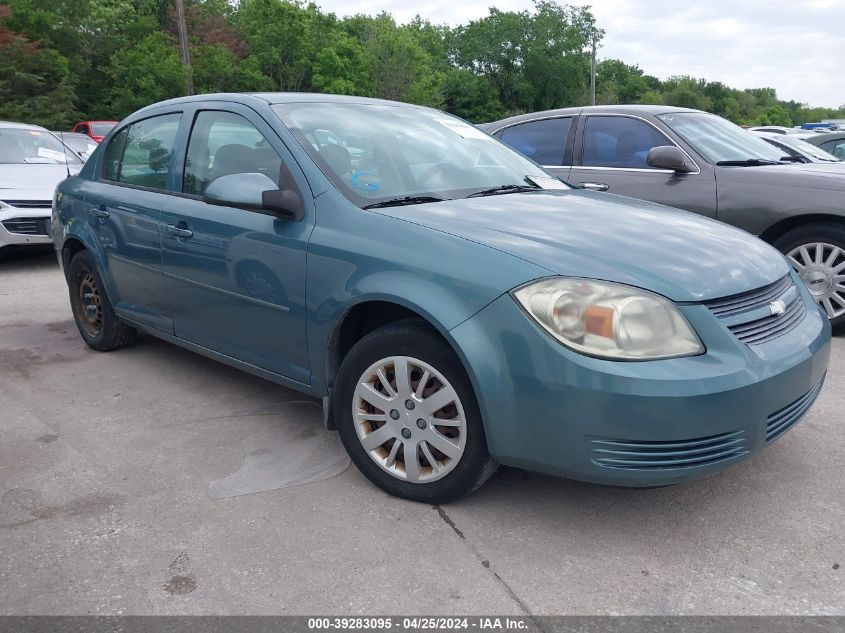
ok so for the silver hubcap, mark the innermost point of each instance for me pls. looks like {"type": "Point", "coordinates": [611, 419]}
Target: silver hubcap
{"type": "Point", "coordinates": [409, 419]}
{"type": "Point", "coordinates": [822, 268]}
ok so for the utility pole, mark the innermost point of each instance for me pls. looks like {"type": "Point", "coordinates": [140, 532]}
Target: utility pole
{"type": "Point", "coordinates": [182, 27]}
{"type": "Point", "coordinates": [593, 74]}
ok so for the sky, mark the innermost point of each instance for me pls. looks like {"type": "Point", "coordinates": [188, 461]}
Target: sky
{"type": "Point", "coordinates": [794, 46]}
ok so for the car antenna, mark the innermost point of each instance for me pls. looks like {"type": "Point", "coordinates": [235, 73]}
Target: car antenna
{"type": "Point", "coordinates": [64, 151]}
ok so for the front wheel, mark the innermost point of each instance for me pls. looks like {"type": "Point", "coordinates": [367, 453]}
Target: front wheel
{"type": "Point", "coordinates": [408, 417]}
{"type": "Point", "coordinates": [817, 253]}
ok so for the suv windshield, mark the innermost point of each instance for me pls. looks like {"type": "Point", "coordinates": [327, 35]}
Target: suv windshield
{"type": "Point", "coordinates": [22, 146]}
{"type": "Point", "coordinates": [719, 140]}
{"type": "Point", "coordinates": [376, 153]}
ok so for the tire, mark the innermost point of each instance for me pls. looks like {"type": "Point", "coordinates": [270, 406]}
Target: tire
{"type": "Point", "coordinates": [101, 329]}
{"type": "Point", "coordinates": [439, 477]}
{"type": "Point", "coordinates": [821, 279]}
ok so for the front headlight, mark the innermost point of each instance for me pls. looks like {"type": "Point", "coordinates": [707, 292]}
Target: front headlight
{"type": "Point", "coordinates": [609, 320]}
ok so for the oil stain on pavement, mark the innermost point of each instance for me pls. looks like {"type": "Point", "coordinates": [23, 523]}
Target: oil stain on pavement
{"type": "Point", "coordinates": [295, 450]}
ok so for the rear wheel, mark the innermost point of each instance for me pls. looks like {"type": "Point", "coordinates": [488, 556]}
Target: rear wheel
{"type": "Point", "coordinates": [92, 311]}
{"type": "Point", "coordinates": [817, 253]}
{"type": "Point", "coordinates": [408, 417]}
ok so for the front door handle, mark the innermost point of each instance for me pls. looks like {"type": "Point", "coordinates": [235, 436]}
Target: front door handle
{"type": "Point", "coordinates": [594, 186]}
{"type": "Point", "coordinates": [101, 212]}
{"type": "Point", "coordinates": [178, 231]}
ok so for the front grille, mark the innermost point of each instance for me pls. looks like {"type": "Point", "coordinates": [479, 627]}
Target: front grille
{"type": "Point", "coordinates": [29, 204]}
{"type": "Point", "coordinates": [28, 226]}
{"type": "Point", "coordinates": [646, 455]}
{"type": "Point", "coordinates": [742, 313]}
{"type": "Point", "coordinates": [784, 419]}
{"type": "Point", "coordinates": [748, 301]}
{"type": "Point", "coordinates": [767, 328]}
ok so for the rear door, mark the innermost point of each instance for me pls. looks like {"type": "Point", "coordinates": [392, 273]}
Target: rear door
{"type": "Point", "coordinates": [236, 278]}
{"type": "Point", "coordinates": [546, 141]}
{"type": "Point", "coordinates": [125, 215]}
{"type": "Point", "coordinates": [610, 155]}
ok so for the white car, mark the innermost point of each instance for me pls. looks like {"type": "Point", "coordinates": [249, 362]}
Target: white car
{"type": "Point", "coordinates": [32, 163]}
{"type": "Point", "coordinates": [82, 144]}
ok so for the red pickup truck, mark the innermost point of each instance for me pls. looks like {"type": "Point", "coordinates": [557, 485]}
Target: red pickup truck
{"type": "Point", "coordinates": [97, 130]}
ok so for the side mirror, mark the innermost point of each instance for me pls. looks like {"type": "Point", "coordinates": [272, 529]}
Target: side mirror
{"type": "Point", "coordinates": [669, 157]}
{"type": "Point", "coordinates": [254, 192]}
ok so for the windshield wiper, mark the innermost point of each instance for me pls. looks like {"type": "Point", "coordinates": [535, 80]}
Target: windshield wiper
{"type": "Point", "coordinates": [404, 200]}
{"type": "Point", "coordinates": [750, 162]}
{"type": "Point", "coordinates": [495, 191]}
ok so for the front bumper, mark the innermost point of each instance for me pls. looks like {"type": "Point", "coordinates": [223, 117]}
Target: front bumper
{"type": "Point", "coordinates": [19, 226]}
{"type": "Point", "coordinates": [549, 409]}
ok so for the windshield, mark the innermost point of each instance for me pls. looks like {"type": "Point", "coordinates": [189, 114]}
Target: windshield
{"type": "Point", "coordinates": [808, 148]}
{"type": "Point", "coordinates": [374, 152]}
{"type": "Point", "coordinates": [719, 140]}
{"type": "Point", "coordinates": [101, 129]}
{"type": "Point", "coordinates": [78, 142]}
{"type": "Point", "coordinates": [24, 146]}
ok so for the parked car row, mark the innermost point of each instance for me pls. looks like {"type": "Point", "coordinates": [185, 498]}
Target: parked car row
{"type": "Point", "coordinates": [456, 305]}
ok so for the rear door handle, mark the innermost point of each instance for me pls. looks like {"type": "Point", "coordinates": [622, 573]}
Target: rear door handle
{"type": "Point", "coordinates": [594, 186]}
{"type": "Point", "coordinates": [101, 212]}
{"type": "Point", "coordinates": [178, 231]}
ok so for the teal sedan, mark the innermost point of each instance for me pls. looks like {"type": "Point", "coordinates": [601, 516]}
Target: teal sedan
{"type": "Point", "coordinates": [453, 305]}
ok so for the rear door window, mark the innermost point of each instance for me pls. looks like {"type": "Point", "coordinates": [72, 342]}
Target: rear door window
{"type": "Point", "coordinates": [542, 141]}
{"type": "Point", "coordinates": [146, 155]}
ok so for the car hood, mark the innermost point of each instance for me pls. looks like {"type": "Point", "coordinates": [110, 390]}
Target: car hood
{"type": "Point", "coordinates": [830, 176]}
{"type": "Point", "coordinates": [577, 233]}
{"type": "Point", "coordinates": [32, 182]}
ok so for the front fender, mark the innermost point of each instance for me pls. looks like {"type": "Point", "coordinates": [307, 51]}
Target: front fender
{"type": "Point", "coordinates": [357, 256]}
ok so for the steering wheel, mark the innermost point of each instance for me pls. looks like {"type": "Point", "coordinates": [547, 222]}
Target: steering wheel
{"type": "Point", "coordinates": [430, 173]}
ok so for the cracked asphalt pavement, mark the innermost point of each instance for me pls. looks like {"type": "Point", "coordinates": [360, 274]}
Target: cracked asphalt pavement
{"type": "Point", "coordinates": [106, 462]}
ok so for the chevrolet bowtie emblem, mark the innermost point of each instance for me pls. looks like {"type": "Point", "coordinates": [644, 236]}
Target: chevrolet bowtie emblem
{"type": "Point", "coordinates": [777, 307]}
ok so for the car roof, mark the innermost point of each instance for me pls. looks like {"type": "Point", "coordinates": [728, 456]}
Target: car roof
{"type": "Point", "coordinates": [98, 121]}
{"type": "Point", "coordinates": [652, 110]}
{"type": "Point", "coordinates": [274, 98]}
{"type": "Point", "coordinates": [21, 126]}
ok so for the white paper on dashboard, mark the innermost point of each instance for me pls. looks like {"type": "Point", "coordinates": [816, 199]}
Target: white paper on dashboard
{"type": "Point", "coordinates": [462, 129]}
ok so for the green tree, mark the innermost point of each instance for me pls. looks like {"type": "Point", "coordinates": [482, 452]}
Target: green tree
{"type": "Point", "coordinates": [397, 66]}
{"type": "Point", "coordinates": [149, 71]}
{"type": "Point", "coordinates": [36, 85]}
{"type": "Point", "coordinates": [471, 97]}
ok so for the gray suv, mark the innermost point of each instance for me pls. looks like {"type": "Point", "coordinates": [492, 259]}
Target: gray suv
{"type": "Point", "coordinates": [702, 163]}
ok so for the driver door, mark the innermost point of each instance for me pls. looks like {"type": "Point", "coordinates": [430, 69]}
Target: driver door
{"type": "Point", "coordinates": [235, 279]}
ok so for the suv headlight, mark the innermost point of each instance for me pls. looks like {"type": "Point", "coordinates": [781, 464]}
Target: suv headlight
{"type": "Point", "coordinates": [609, 320]}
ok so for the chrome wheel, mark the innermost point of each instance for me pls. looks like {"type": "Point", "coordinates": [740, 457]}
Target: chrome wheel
{"type": "Point", "coordinates": [409, 419]}
{"type": "Point", "coordinates": [90, 307]}
{"type": "Point", "coordinates": [822, 268]}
